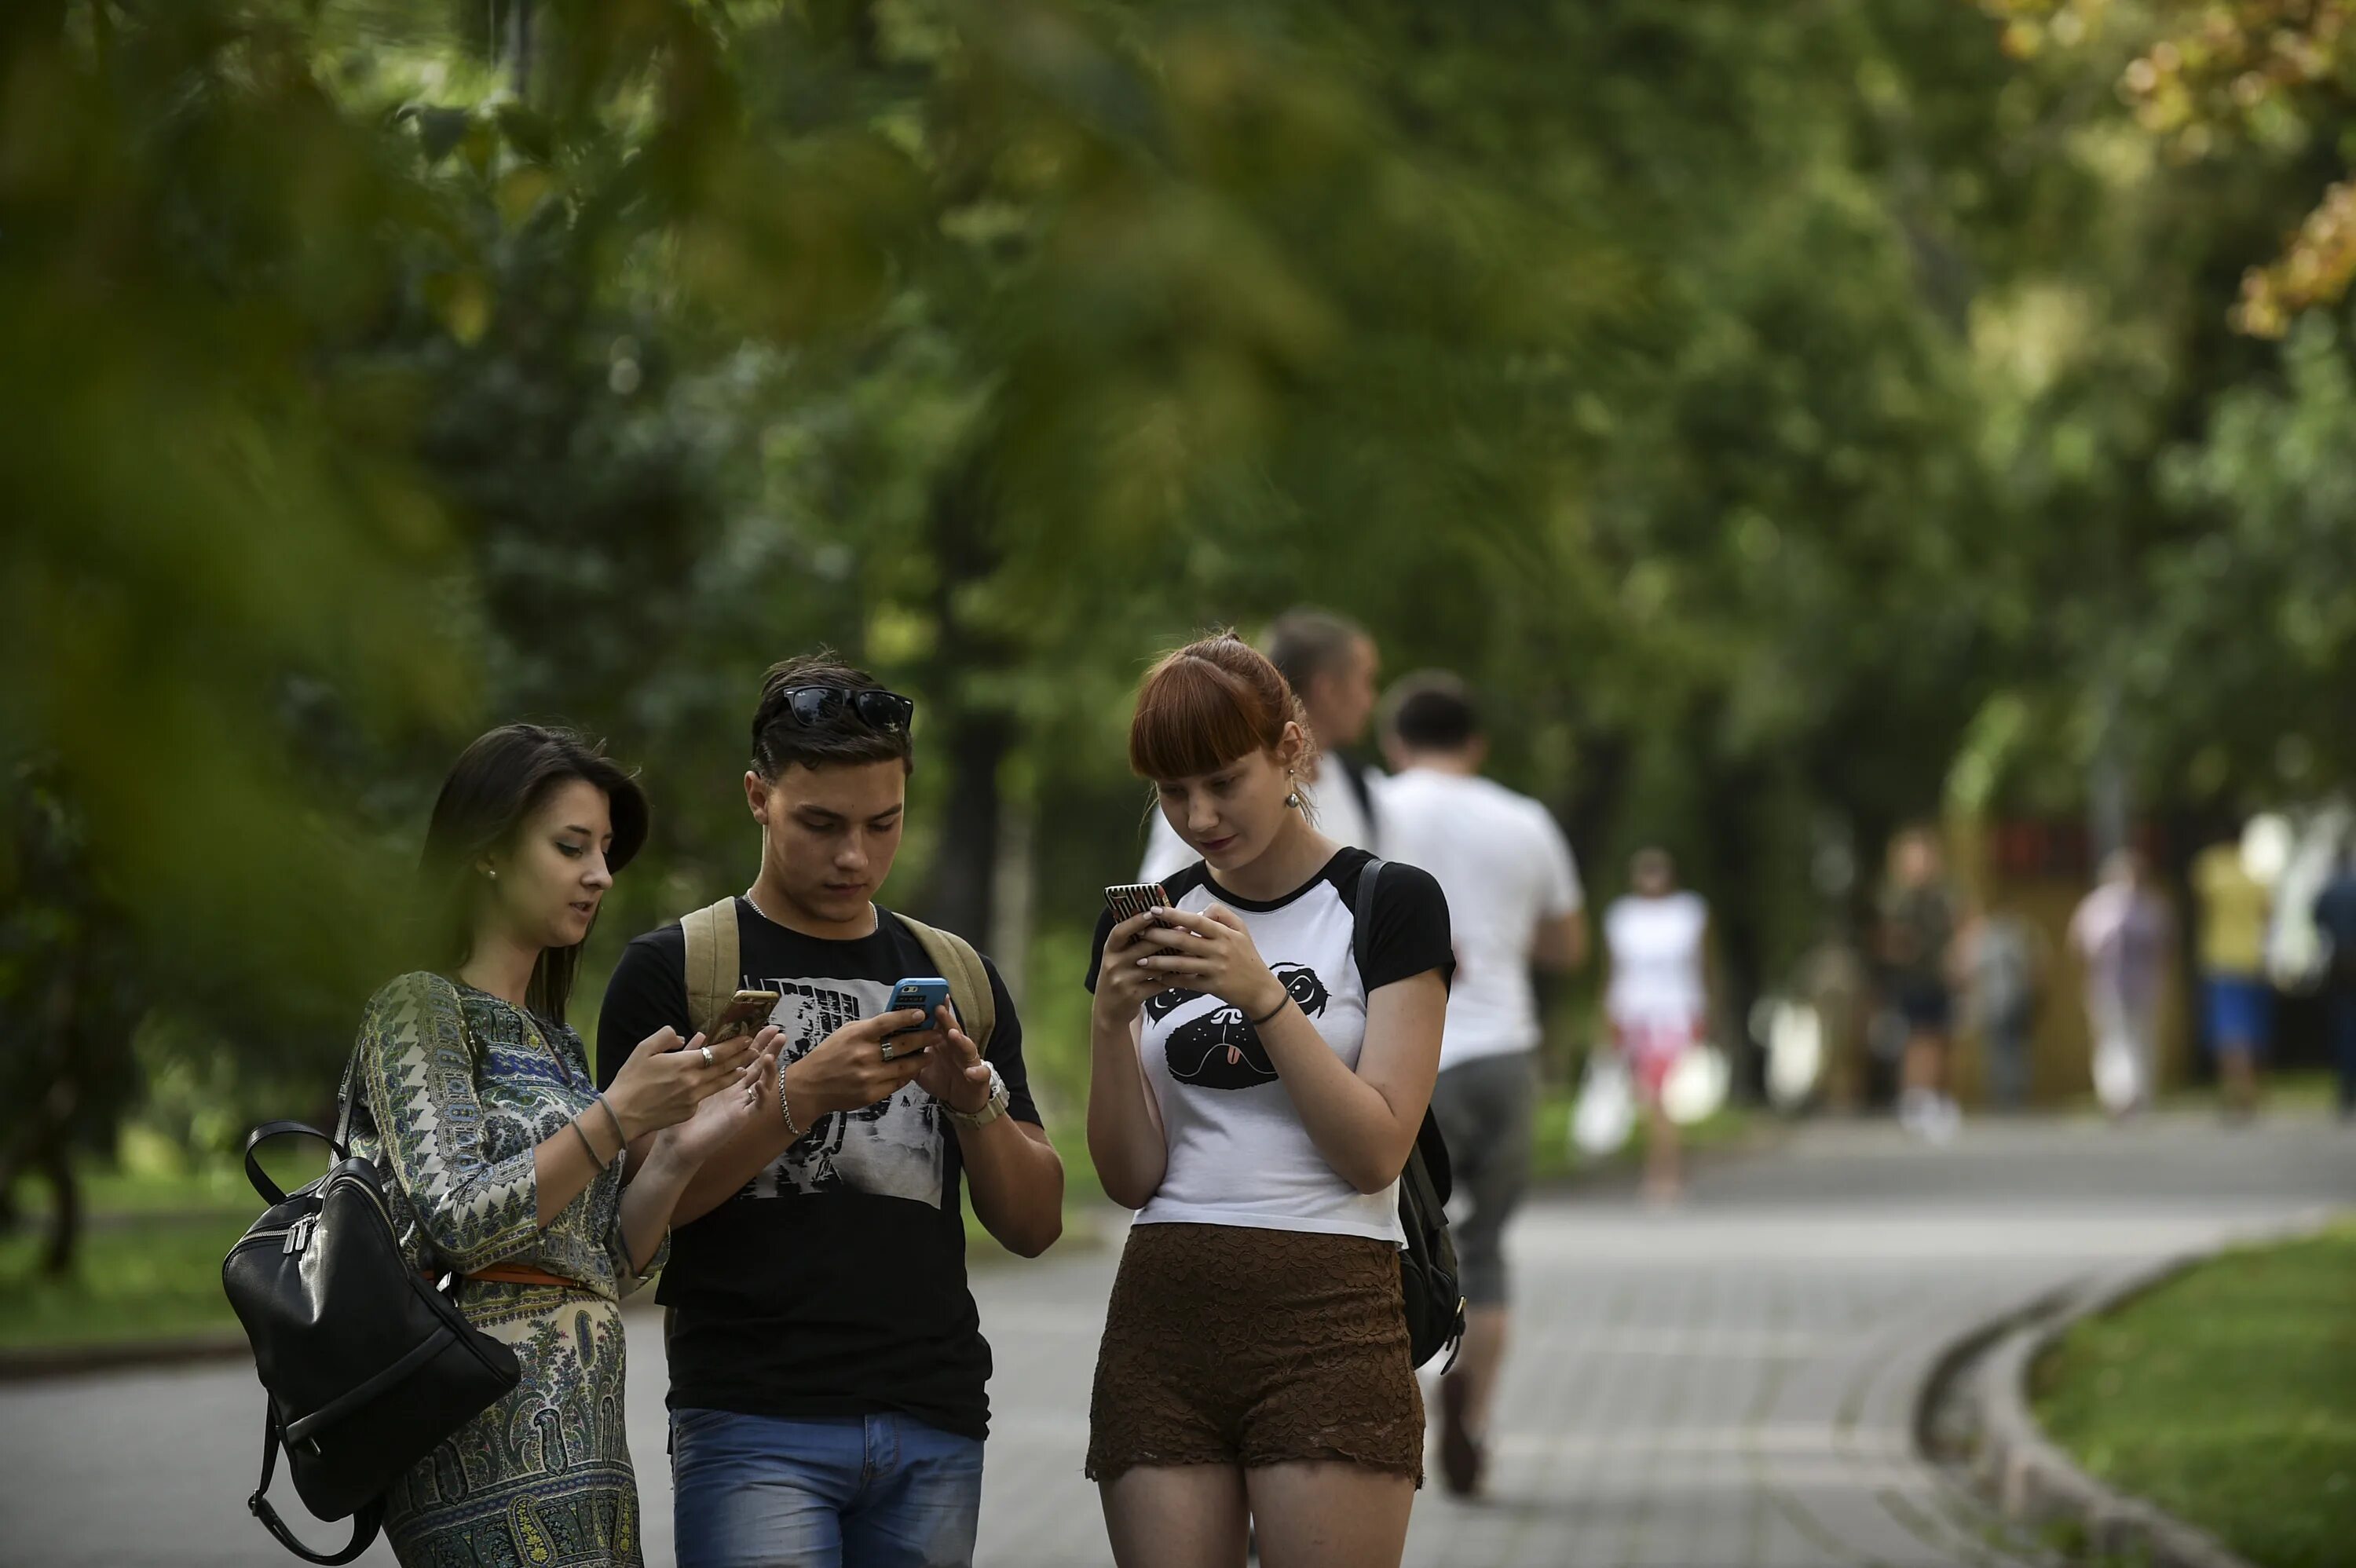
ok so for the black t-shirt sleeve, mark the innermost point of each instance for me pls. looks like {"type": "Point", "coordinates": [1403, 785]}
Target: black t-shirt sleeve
{"type": "Point", "coordinates": [648, 993]}
{"type": "Point", "coordinates": [1105, 922]}
{"type": "Point", "coordinates": [1410, 930]}
{"type": "Point", "coordinates": [1005, 1051]}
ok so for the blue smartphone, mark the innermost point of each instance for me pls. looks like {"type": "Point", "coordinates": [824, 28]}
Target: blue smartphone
{"type": "Point", "coordinates": [930, 992]}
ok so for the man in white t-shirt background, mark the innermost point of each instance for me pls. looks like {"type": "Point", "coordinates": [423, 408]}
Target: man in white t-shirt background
{"type": "Point", "coordinates": [1331, 664]}
{"type": "Point", "coordinates": [1514, 901]}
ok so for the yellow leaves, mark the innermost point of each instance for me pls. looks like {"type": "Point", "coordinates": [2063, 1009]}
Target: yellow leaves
{"type": "Point", "coordinates": [2252, 70]}
{"type": "Point", "coordinates": [2317, 270]}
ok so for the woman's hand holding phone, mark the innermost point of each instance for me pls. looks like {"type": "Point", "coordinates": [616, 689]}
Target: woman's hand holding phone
{"type": "Point", "coordinates": [666, 1079]}
{"type": "Point", "coordinates": [720, 1118]}
{"type": "Point", "coordinates": [1122, 987]}
{"type": "Point", "coordinates": [1210, 951]}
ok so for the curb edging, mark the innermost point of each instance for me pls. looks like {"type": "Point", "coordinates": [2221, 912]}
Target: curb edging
{"type": "Point", "coordinates": [2028, 1477]}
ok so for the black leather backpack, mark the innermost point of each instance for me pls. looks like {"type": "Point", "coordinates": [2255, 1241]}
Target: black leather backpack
{"type": "Point", "coordinates": [1433, 1292]}
{"type": "Point", "coordinates": [367, 1364]}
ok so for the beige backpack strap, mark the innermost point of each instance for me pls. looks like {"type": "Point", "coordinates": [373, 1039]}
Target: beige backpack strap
{"type": "Point", "coordinates": [961, 966]}
{"type": "Point", "coordinates": [710, 961]}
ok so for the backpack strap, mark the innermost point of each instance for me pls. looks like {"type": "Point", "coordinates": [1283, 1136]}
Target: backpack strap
{"type": "Point", "coordinates": [1428, 1161]}
{"type": "Point", "coordinates": [711, 973]}
{"type": "Point", "coordinates": [1362, 912]}
{"type": "Point", "coordinates": [961, 966]}
{"type": "Point", "coordinates": [366, 1522]}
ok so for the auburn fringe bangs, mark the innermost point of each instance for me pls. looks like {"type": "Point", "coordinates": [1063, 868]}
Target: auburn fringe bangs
{"type": "Point", "coordinates": [1205, 705]}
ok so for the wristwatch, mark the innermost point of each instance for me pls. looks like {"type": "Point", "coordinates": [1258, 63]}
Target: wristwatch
{"type": "Point", "coordinates": [992, 1108]}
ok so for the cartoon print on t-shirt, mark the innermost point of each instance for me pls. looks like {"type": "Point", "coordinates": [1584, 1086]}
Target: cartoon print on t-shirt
{"type": "Point", "coordinates": [894, 1149]}
{"type": "Point", "coordinates": [1221, 1049]}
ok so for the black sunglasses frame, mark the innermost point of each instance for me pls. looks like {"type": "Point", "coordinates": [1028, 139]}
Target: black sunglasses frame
{"type": "Point", "coordinates": [878, 709]}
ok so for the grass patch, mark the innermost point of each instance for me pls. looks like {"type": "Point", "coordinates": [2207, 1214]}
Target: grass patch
{"type": "Point", "coordinates": [2227, 1397]}
{"type": "Point", "coordinates": [139, 1280]}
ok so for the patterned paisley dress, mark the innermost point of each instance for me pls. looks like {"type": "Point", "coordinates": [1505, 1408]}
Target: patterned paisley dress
{"type": "Point", "coordinates": [456, 1088]}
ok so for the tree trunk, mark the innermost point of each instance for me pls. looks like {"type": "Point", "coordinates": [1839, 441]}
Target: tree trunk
{"type": "Point", "coordinates": [964, 880]}
{"type": "Point", "coordinates": [65, 1224]}
{"type": "Point", "coordinates": [962, 896]}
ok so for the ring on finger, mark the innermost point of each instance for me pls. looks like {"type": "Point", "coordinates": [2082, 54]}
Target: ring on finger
{"type": "Point", "coordinates": [709, 1060]}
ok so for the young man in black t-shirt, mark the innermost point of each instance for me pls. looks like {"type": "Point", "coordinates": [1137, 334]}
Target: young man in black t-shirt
{"type": "Point", "coordinates": [826, 1362]}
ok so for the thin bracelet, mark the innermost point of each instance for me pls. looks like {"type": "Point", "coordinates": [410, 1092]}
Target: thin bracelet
{"type": "Point", "coordinates": [1272, 1012]}
{"type": "Point", "coordinates": [575, 1125]}
{"type": "Point", "coordinates": [618, 1133]}
{"type": "Point", "coordinates": [793, 1133]}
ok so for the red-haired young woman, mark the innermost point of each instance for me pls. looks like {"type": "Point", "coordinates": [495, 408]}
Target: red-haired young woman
{"type": "Point", "coordinates": [1255, 1093]}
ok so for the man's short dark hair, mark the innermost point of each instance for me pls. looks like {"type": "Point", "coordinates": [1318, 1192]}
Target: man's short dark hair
{"type": "Point", "coordinates": [779, 740]}
{"type": "Point", "coordinates": [1433, 711]}
{"type": "Point", "coordinates": [1305, 643]}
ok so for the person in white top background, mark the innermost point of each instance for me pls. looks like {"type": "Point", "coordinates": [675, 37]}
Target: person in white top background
{"type": "Point", "coordinates": [1514, 901]}
{"type": "Point", "coordinates": [1330, 662]}
{"type": "Point", "coordinates": [1656, 940]}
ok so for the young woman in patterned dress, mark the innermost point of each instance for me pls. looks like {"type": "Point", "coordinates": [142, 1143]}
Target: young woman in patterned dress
{"type": "Point", "coordinates": [505, 1166]}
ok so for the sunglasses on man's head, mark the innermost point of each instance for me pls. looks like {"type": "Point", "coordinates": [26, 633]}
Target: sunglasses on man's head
{"type": "Point", "coordinates": [815, 705]}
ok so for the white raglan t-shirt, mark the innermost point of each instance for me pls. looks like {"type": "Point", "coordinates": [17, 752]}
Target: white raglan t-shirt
{"type": "Point", "coordinates": [1238, 1154]}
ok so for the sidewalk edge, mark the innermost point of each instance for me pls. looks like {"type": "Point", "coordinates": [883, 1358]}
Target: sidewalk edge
{"type": "Point", "coordinates": [2021, 1471]}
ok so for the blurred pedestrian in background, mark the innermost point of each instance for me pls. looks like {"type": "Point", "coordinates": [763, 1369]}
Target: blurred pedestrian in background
{"type": "Point", "coordinates": [2237, 1000]}
{"type": "Point", "coordinates": [2335, 916]}
{"type": "Point", "coordinates": [1999, 961]}
{"type": "Point", "coordinates": [1331, 663]}
{"type": "Point", "coordinates": [1656, 938]}
{"type": "Point", "coordinates": [2121, 934]}
{"type": "Point", "coordinates": [1918, 929]}
{"type": "Point", "coordinates": [1514, 899]}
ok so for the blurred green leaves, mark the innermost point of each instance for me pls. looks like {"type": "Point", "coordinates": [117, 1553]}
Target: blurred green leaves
{"type": "Point", "coordinates": [1765, 406]}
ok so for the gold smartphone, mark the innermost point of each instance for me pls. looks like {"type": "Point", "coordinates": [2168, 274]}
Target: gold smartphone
{"type": "Point", "coordinates": [1128, 900]}
{"type": "Point", "coordinates": [743, 1014]}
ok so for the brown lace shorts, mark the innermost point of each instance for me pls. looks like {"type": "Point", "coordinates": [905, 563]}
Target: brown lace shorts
{"type": "Point", "coordinates": [1227, 1346]}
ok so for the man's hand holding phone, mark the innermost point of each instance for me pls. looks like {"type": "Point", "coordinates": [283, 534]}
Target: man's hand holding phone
{"type": "Point", "coordinates": [847, 1071]}
{"type": "Point", "coordinates": [952, 1070]}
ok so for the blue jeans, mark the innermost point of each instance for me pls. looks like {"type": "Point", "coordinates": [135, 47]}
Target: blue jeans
{"type": "Point", "coordinates": [874, 1491]}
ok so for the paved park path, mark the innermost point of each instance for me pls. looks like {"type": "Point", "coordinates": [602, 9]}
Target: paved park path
{"type": "Point", "coordinates": [1730, 1384]}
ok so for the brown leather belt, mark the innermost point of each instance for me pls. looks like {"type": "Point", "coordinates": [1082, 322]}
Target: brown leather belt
{"type": "Point", "coordinates": [521, 1273]}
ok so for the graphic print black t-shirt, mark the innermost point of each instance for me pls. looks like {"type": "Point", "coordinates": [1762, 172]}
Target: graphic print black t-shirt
{"type": "Point", "coordinates": [834, 1283]}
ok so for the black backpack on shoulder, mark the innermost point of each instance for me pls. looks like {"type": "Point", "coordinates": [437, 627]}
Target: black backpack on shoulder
{"type": "Point", "coordinates": [366, 1363]}
{"type": "Point", "coordinates": [1427, 1277]}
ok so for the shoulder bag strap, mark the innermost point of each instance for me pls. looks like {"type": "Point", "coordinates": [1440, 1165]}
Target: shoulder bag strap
{"type": "Point", "coordinates": [712, 972]}
{"type": "Point", "coordinates": [365, 1523]}
{"type": "Point", "coordinates": [961, 966]}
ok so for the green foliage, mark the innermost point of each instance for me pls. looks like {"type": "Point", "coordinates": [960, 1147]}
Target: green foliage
{"type": "Point", "coordinates": [1765, 406]}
